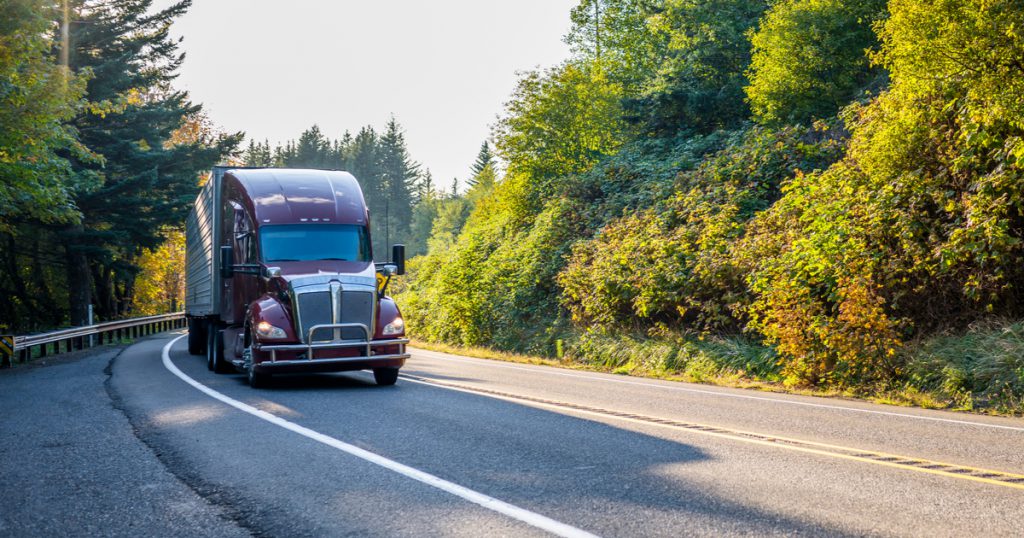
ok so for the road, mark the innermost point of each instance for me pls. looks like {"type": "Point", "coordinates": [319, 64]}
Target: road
{"type": "Point", "coordinates": [469, 447]}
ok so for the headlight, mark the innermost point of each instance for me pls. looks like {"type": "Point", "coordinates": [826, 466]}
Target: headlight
{"type": "Point", "coordinates": [267, 330]}
{"type": "Point", "coordinates": [395, 327]}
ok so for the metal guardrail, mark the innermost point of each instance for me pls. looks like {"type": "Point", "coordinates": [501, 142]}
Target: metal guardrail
{"type": "Point", "coordinates": [76, 338]}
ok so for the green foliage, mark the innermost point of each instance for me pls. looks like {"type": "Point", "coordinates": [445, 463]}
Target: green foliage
{"type": "Point", "coordinates": [560, 122]}
{"type": "Point", "coordinates": [699, 360]}
{"type": "Point", "coordinates": [640, 200]}
{"type": "Point", "coordinates": [810, 58]}
{"type": "Point", "coordinates": [496, 281]}
{"type": "Point", "coordinates": [152, 159]}
{"type": "Point", "coordinates": [37, 97]}
{"type": "Point", "coordinates": [983, 368]}
{"type": "Point", "coordinates": [673, 263]}
{"type": "Point", "coordinates": [698, 84]}
{"type": "Point", "coordinates": [920, 226]}
{"type": "Point", "coordinates": [619, 35]}
{"type": "Point", "coordinates": [484, 159]}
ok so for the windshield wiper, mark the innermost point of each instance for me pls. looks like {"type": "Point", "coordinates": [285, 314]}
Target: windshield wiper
{"type": "Point", "coordinates": [335, 259]}
{"type": "Point", "coordinates": [282, 260]}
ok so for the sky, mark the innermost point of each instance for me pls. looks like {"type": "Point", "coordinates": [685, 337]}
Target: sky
{"type": "Point", "coordinates": [443, 68]}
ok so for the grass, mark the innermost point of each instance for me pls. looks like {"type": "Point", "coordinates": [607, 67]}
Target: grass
{"type": "Point", "coordinates": [980, 370]}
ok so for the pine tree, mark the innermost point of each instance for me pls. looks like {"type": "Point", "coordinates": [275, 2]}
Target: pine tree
{"type": "Point", "coordinates": [425, 187]}
{"type": "Point", "coordinates": [258, 154]}
{"type": "Point", "coordinates": [147, 180]}
{"type": "Point", "coordinates": [398, 173]}
{"type": "Point", "coordinates": [313, 150]}
{"type": "Point", "coordinates": [483, 159]}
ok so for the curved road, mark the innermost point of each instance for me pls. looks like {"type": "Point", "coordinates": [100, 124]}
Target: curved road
{"type": "Point", "coordinates": [470, 447]}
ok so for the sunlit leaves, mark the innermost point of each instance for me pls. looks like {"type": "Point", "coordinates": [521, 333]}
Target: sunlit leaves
{"type": "Point", "coordinates": [810, 58]}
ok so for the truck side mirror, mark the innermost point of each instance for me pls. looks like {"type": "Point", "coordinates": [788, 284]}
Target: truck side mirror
{"type": "Point", "coordinates": [227, 261]}
{"type": "Point", "coordinates": [398, 258]}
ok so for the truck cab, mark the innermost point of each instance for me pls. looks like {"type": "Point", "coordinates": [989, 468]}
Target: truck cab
{"type": "Point", "coordinates": [281, 277]}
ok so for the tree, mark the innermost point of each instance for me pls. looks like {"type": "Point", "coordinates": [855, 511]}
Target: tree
{"type": "Point", "coordinates": [560, 122]}
{"type": "Point", "coordinates": [147, 180]}
{"type": "Point", "coordinates": [161, 285]}
{"type": "Point", "coordinates": [313, 150]}
{"type": "Point", "coordinates": [398, 174]}
{"type": "Point", "coordinates": [698, 88]}
{"type": "Point", "coordinates": [810, 58]}
{"type": "Point", "coordinates": [617, 35]}
{"type": "Point", "coordinates": [484, 158]}
{"type": "Point", "coordinates": [37, 97]}
{"type": "Point", "coordinates": [258, 154]}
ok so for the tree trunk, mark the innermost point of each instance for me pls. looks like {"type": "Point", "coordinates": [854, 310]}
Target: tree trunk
{"type": "Point", "coordinates": [51, 312]}
{"type": "Point", "coordinates": [79, 277]}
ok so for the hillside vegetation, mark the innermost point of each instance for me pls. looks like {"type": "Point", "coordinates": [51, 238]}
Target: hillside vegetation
{"type": "Point", "coordinates": [815, 193]}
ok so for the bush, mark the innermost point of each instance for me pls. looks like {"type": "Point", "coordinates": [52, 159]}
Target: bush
{"type": "Point", "coordinates": [672, 264]}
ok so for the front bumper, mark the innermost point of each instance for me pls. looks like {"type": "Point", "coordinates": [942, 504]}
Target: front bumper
{"type": "Point", "coordinates": [363, 354]}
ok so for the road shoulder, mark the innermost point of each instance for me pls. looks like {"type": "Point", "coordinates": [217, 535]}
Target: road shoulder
{"type": "Point", "coordinates": [72, 464]}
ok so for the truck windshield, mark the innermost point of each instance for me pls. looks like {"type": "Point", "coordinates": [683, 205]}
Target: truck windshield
{"type": "Point", "coordinates": [307, 242]}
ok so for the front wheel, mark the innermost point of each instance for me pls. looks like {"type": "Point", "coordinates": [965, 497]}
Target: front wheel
{"type": "Point", "coordinates": [385, 376]}
{"type": "Point", "coordinates": [257, 380]}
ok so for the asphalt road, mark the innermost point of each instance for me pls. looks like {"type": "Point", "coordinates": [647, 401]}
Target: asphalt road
{"type": "Point", "coordinates": [469, 447]}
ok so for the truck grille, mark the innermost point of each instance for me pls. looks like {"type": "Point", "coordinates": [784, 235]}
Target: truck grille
{"type": "Point", "coordinates": [315, 305]}
{"type": "Point", "coordinates": [356, 307]}
{"type": "Point", "coordinates": [314, 309]}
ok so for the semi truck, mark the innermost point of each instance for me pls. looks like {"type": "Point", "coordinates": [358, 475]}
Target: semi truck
{"type": "Point", "coordinates": [280, 277]}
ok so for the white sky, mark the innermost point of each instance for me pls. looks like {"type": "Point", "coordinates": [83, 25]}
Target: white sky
{"type": "Point", "coordinates": [273, 68]}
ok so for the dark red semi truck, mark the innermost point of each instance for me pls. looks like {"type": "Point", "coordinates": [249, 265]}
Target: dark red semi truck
{"type": "Point", "coordinates": [280, 277]}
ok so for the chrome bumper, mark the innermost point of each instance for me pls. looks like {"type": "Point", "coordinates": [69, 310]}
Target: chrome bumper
{"type": "Point", "coordinates": [334, 344]}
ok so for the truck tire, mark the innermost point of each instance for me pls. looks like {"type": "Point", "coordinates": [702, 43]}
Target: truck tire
{"type": "Point", "coordinates": [196, 337]}
{"type": "Point", "coordinates": [215, 351]}
{"type": "Point", "coordinates": [385, 376]}
{"type": "Point", "coordinates": [257, 380]}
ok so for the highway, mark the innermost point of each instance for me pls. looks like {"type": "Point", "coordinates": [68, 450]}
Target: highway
{"type": "Point", "coordinates": [470, 447]}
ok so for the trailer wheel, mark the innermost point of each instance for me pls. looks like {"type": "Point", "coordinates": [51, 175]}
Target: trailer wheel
{"type": "Point", "coordinates": [385, 376]}
{"type": "Point", "coordinates": [196, 337]}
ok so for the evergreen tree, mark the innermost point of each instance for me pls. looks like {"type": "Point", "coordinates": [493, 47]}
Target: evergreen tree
{"type": "Point", "coordinates": [483, 158]}
{"type": "Point", "coordinates": [313, 150]}
{"type": "Point", "coordinates": [398, 173]}
{"type": "Point", "coordinates": [147, 181]}
{"type": "Point", "coordinates": [258, 154]}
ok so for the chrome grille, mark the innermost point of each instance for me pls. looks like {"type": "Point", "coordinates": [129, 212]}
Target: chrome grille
{"type": "Point", "coordinates": [314, 308]}
{"type": "Point", "coordinates": [356, 307]}
{"type": "Point", "coordinates": [331, 300]}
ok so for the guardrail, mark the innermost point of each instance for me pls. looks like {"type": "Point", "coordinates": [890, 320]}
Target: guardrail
{"type": "Point", "coordinates": [76, 338]}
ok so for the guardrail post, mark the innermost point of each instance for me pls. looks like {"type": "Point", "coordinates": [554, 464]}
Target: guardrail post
{"type": "Point", "coordinates": [6, 351]}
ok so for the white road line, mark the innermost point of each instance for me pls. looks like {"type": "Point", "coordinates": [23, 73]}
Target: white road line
{"type": "Point", "coordinates": [553, 371]}
{"type": "Point", "coordinates": [530, 518]}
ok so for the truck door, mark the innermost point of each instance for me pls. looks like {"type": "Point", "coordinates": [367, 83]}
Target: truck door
{"type": "Point", "coordinates": [239, 234]}
{"type": "Point", "coordinates": [246, 285]}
